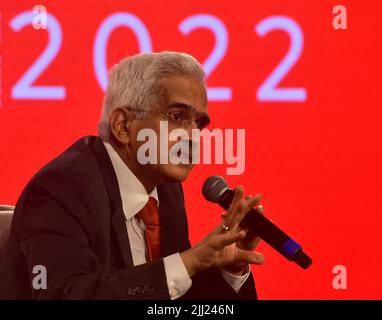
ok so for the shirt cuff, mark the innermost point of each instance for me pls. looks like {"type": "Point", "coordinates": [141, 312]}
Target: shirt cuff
{"type": "Point", "coordinates": [236, 282]}
{"type": "Point", "coordinates": [178, 280]}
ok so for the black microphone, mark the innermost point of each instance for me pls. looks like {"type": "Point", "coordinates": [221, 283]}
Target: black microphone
{"type": "Point", "coordinates": [215, 189]}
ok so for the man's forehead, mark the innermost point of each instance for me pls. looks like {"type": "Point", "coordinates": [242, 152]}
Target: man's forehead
{"type": "Point", "coordinates": [185, 91]}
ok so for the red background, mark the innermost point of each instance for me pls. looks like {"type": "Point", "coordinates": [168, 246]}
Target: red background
{"type": "Point", "coordinates": [316, 163]}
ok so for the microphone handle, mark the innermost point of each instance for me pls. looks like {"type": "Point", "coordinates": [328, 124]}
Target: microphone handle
{"type": "Point", "coordinates": [270, 233]}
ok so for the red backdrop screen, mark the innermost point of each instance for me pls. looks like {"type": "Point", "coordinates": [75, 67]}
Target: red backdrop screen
{"type": "Point", "coordinates": [307, 94]}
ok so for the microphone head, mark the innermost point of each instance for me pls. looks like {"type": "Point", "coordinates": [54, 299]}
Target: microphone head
{"type": "Point", "coordinates": [214, 187]}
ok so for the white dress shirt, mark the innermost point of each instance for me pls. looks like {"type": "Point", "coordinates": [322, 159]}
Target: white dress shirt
{"type": "Point", "coordinates": [134, 197]}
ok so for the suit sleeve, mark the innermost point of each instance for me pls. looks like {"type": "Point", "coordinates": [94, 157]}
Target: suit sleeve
{"type": "Point", "coordinates": [57, 229]}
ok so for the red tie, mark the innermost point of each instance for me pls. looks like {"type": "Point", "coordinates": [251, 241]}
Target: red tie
{"type": "Point", "coordinates": [150, 217]}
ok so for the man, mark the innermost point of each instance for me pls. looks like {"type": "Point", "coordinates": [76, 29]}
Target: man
{"type": "Point", "coordinates": [105, 226]}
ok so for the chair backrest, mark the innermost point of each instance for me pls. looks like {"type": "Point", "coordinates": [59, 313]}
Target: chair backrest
{"type": "Point", "coordinates": [6, 214]}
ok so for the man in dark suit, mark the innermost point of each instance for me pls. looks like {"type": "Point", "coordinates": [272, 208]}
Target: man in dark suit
{"type": "Point", "coordinates": [100, 224]}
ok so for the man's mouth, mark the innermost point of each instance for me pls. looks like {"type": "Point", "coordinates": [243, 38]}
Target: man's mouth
{"type": "Point", "coordinates": [185, 152]}
{"type": "Point", "coordinates": [185, 155]}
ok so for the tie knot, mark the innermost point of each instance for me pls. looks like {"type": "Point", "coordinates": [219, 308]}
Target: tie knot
{"type": "Point", "coordinates": [149, 214]}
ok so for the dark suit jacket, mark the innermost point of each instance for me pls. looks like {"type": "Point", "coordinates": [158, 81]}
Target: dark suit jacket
{"type": "Point", "coordinates": [69, 219]}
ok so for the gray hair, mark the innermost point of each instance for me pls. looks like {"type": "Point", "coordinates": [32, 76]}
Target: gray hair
{"type": "Point", "coordinates": [136, 82]}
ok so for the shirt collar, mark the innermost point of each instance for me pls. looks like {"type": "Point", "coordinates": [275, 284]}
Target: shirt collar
{"type": "Point", "coordinates": [133, 194]}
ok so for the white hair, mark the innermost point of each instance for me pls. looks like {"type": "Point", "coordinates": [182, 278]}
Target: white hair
{"type": "Point", "coordinates": [135, 82]}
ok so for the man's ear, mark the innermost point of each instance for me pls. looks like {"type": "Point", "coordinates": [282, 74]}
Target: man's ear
{"type": "Point", "coordinates": [119, 125]}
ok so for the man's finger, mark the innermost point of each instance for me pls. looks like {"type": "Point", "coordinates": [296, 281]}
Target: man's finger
{"type": "Point", "coordinates": [247, 256]}
{"type": "Point", "coordinates": [236, 217]}
{"type": "Point", "coordinates": [228, 238]}
{"type": "Point", "coordinates": [260, 209]}
{"type": "Point", "coordinates": [251, 202]}
{"type": "Point", "coordinates": [239, 191]}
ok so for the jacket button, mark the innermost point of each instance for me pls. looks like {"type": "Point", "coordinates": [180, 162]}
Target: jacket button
{"type": "Point", "coordinates": [131, 292]}
{"type": "Point", "coordinates": [148, 289]}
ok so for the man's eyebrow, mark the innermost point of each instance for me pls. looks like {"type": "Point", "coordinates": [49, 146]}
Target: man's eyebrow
{"type": "Point", "coordinates": [180, 105]}
{"type": "Point", "coordinates": [187, 107]}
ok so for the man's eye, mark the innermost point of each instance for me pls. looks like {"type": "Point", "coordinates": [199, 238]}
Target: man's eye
{"type": "Point", "coordinates": [177, 116]}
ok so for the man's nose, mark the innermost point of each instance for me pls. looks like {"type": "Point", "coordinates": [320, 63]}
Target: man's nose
{"type": "Point", "coordinates": [192, 125]}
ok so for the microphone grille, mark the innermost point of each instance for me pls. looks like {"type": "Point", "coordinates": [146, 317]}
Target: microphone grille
{"type": "Point", "coordinates": [213, 188]}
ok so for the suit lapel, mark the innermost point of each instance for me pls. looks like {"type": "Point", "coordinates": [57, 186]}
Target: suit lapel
{"type": "Point", "coordinates": [168, 209]}
{"type": "Point", "coordinates": [118, 217]}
